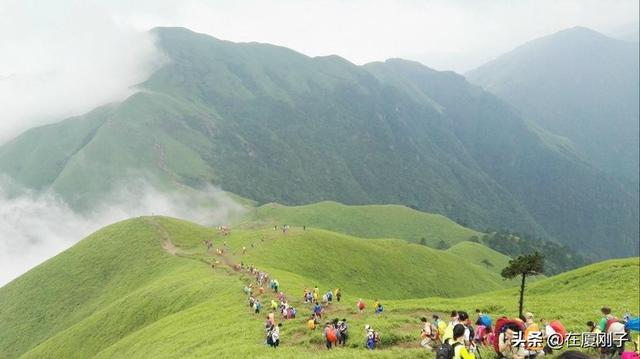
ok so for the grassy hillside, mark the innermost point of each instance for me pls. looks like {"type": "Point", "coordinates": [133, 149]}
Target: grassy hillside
{"type": "Point", "coordinates": [573, 297]}
{"type": "Point", "coordinates": [372, 221]}
{"type": "Point", "coordinates": [481, 255]}
{"type": "Point", "coordinates": [144, 288]}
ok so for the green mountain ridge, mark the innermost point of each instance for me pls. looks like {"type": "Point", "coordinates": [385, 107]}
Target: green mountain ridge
{"type": "Point", "coordinates": [273, 125]}
{"type": "Point", "coordinates": [144, 287]}
{"type": "Point", "coordinates": [579, 84]}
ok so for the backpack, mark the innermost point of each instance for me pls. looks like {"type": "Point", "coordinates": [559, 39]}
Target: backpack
{"type": "Point", "coordinates": [501, 325]}
{"type": "Point", "coordinates": [331, 335]}
{"type": "Point", "coordinates": [435, 333]}
{"type": "Point", "coordinates": [446, 350]}
{"type": "Point", "coordinates": [485, 320]}
{"type": "Point", "coordinates": [559, 328]}
{"type": "Point", "coordinates": [609, 322]}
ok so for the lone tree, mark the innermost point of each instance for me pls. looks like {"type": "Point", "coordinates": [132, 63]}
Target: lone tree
{"type": "Point", "coordinates": [525, 265]}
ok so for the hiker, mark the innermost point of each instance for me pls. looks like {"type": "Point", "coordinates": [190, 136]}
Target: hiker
{"type": "Point", "coordinates": [311, 323]}
{"type": "Point", "coordinates": [428, 335]}
{"type": "Point", "coordinates": [329, 296]}
{"type": "Point", "coordinates": [606, 318]}
{"type": "Point", "coordinates": [484, 319]}
{"type": "Point", "coordinates": [593, 328]}
{"type": "Point", "coordinates": [261, 290]}
{"type": "Point", "coordinates": [617, 332]}
{"type": "Point", "coordinates": [360, 305]}
{"type": "Point", "coordinates": [379, 308]}
{"type": "Point", "coordinates": [325, 299]}
{"type": "Point", "coordinates": [547, 331]}
{"type": "Point", "coordinates": [343, 330]}
{"type": "Point", "coordinates": [317, 310]}
{"type": "Point", "coordinates": [274, 305]}
{"type": "Point", "coordinates": [273, 337]}
{"type": "Point", "coordinates": [372, 337]}
{"type": "Point", "coordinates": [531, 328]}
{"type": "Point", "coordinates": [330, 336]}
{"type": "Point", "coordinates": [511, 343]}
{"type": "Point", "coordinates": [268, 323]}
{"type": "Point", "coordinates": [440, 324]}
{"type": "Point", "coordinates": [276, 284]}
{"type": "Point", "coordinates": [455, 348]}
{"type": "Point", "coordinates": [291, 313]}
{"type": "Point", "coordinates": [304, 296]}
{"type": "Point", "coordinates": [338, 294]}
{"type": "Point", "coordinates": [448, 332]}
{"type": "Point", "coordinates": [315, 293]}
{"type": "Point", "coordinates": [246, 290]}
{"type": "Point", "coordinates": [256, 306]}
{"type": "Point", "coordinates": [463, 318]}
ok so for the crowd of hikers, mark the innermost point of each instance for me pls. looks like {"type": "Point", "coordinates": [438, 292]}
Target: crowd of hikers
{"type": "Point", "coordinates": [523, 338]}
{"type": "Point", "coordinates": [459, 338]}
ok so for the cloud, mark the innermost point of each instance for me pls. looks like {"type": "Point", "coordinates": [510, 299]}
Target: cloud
{"type": "Point", "coordinates": [35, 227]}
{"type": "Point", "coordinates": [65, 59]}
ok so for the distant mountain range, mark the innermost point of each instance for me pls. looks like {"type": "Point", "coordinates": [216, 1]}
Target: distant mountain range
{"type": "Point", "coordinates": [578, 84]}
{"type": "Point", "coordinates": [273, 125]}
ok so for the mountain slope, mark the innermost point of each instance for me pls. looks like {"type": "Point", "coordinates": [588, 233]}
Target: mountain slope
{"type": "Point", "coordinates": [372, 221]}
{"type": "Point", "coordinates": [143, 287]}
{"type": "Point", "coordinates": [120, 281]}
{"type": "Point", "coordinates": [273, 125]}
{"type": "Point", "coordinates": [579, 84]}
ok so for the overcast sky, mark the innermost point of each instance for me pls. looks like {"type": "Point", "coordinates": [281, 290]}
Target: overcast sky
{"type": "Point", "coordinates": [65, 57]}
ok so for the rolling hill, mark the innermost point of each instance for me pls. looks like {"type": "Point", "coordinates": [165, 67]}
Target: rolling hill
{"type": "Point", "coordinates": [578, 84]}
{"type": "Point", "coordinates": [273, 125]}
{"type": "Point", "coordinates": [144, 287]}
{"type": "Point", "coordinates": [370, 221]}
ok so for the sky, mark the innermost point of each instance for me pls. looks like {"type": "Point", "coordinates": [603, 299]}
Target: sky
{"type": "Point", "coordinates": [63, 58]}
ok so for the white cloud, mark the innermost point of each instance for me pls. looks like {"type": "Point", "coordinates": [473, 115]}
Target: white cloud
{"type": "Point", "coordinates": [35, 227]}
{"type": "Point", "coordinates": [65, 59]}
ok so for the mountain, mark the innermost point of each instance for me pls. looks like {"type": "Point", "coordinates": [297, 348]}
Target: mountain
{"type": "Point", "coordinates": [273, 125]}
{"type": "Point", "coordinates": [578, 84]}
{"type": "Point", "coordinates": [144, 288]}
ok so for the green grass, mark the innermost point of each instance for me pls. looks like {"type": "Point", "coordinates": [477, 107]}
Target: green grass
{"type": "Point", "coordinates": [480, 255]}
{"type": "Point", "coordinates": [119, 294]}
{"type": "Point", "coordinates": [370, 221]}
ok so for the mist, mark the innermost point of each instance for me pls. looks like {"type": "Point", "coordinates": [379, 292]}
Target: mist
{"type": "Point", "coordinates": [35, 227]}
{"type": "Point", "coordinates": [65, 61]}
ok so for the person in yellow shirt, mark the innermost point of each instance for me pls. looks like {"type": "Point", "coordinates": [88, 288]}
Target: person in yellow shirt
{"type": "Point", "coordinates": [457, 343]}
{"type": "Point", "coordinates": [532, 335]}
{"type": "Point", "coordinates": [311, 323]}
{"type": "Point", "coordinates": [448, 332]}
